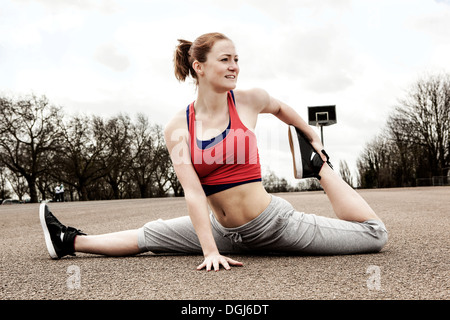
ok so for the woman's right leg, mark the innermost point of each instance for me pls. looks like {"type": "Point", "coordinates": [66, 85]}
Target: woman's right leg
{"type": "Point", "coordinates": [63, 240]}
{"type": "Point", "coordinates": [168, 236]}
{"type": "Point", "coordinates": [177, 235]}
{"type": "Point", "coordinates": [159, 236]}
{"type": "Point", "coordinates": [123, 243]}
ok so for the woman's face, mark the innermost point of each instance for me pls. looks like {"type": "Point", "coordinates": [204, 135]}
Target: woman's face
{"type": "Point", "coordinates": [221, 68]}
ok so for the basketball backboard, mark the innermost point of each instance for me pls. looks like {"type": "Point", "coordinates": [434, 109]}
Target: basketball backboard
{"type": "Point", "coordinates": [322, 115]}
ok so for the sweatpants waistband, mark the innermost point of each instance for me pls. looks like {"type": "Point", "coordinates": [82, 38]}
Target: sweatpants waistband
{"type": "Point", "coordinates": [258, 223]}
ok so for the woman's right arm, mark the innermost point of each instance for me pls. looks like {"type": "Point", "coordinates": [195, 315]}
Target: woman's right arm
{"type": "Point", "coordinates": [177, 139]}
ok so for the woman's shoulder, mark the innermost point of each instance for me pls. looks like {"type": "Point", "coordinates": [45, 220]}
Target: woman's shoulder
{"type": "Point", "coordinates": [255, 98]}
{"type": "Point", "coordinates": [177, 123]}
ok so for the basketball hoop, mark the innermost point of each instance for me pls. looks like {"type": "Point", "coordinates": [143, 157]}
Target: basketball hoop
{"type": "Point", "coordinates": [322, 116]}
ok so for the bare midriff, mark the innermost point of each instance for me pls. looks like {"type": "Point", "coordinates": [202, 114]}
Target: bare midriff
{"type": "Point", "coordinates": [236, 206]}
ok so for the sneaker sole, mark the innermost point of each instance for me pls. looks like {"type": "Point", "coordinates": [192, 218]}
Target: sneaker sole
{"type": "Point", "coordinates": [48, 239]}
{"type": "Point", "coordinates": [296, 154]}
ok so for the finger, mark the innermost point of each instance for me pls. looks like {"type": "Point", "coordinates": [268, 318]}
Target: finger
{"type": "Point", "coordinates": [216, 265]}
{"type": "Point", "coordinates": [201, 266]}
{"type": "Point", "coordinates": [325, 155]}
{"type": "Point", "coordinates": [234, 262]}
{"type": "Point", "coordinates": [208, 266]}
{"type": "Point", "coordinates": [225, 264]}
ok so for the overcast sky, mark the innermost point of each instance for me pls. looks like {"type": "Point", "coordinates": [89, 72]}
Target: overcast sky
{"type": "Point", "coordinates": [110, 56]}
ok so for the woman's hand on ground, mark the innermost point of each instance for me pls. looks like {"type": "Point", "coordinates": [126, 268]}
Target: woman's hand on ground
{"type": "Point", "coordinates": [215, 260]}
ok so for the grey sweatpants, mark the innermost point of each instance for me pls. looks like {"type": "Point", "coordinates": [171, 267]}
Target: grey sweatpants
{"type": "Point", "coordinates": [279, 229]}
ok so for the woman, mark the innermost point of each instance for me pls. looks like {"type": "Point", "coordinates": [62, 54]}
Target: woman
{"type": "Point", "coordinates": [214, 153]}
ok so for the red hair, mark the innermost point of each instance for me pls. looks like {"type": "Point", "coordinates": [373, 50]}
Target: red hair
{"type": "Point", "coordinates": [187, 52]}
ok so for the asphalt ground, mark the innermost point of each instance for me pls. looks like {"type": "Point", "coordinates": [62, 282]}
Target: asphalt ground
{"type": "Point", "coordinates": [414, 265]}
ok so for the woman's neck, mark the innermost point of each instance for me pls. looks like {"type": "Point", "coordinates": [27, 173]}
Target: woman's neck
{"type": "Point", "coordinates": [210, 102]}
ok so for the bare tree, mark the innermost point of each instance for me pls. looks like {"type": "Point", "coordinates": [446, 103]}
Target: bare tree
{"type": "Point", "coordinates": [423, 119]}
{"type": "Point", "coordinates": [144, 151]}
{"type": "Point", "coordinates": [5, 192]}
{"type": "Point", "coordinates": [28, 132]}
{"type": "Point", "coordinates": [116, 157]}
{"type": "Point", "coordinates": [162, 174]}
{"type": "Point", "coordinates": [272, 183]}
{"type": "Point", "coordinates": [18, 183]}
{"type": "Point", "coordinates": [416, 140]}
{"type": "Point", "coordinates": [345, 173]}
{"type": "Point", "coordinates": [79, 159]}
{"type": "Point", "coordinates": [97, 158]}
{"type": "Point", "coordinates": [374, 164]}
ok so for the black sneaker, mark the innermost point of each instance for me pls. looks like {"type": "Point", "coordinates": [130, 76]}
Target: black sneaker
{"type": "Point", "coordinates": [58, 238]}
{"type": "Point", "coordinates": [307, 162]}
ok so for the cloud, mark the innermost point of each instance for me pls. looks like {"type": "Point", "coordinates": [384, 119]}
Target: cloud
{"type": "Point", "coordinates": [105, 6]}
{"type": "Point", "coordinates": [319, 57]}
{"type": "Point", "coordinates": [108, 55]}
{"type": "Point", "coordinates": [297, 41]}
{"type": "Point", "coordinates": [434, 24]}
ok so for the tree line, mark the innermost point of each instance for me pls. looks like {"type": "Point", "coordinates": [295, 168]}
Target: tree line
{"type": "Point", "coordinates": [93, 157]}
{"type": "Point", "coordinates": [414, 145]}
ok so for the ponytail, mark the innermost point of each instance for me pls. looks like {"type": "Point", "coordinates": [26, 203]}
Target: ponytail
{"type": "Point", "coordinates": [182, 61]}
{"type": "Point", "coordinates": [187, 52]}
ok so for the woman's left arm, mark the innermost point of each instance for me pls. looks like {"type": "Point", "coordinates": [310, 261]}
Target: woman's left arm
{"type": "Point", "coordinates": [267, 104]}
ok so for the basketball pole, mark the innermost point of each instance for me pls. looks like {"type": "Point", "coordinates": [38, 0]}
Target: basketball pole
{"type": "Point", "coordinates": [321, 134]}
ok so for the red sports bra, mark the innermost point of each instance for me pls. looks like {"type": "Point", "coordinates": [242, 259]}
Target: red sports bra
{"type": "Point", "coordinates": [227, 160]}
